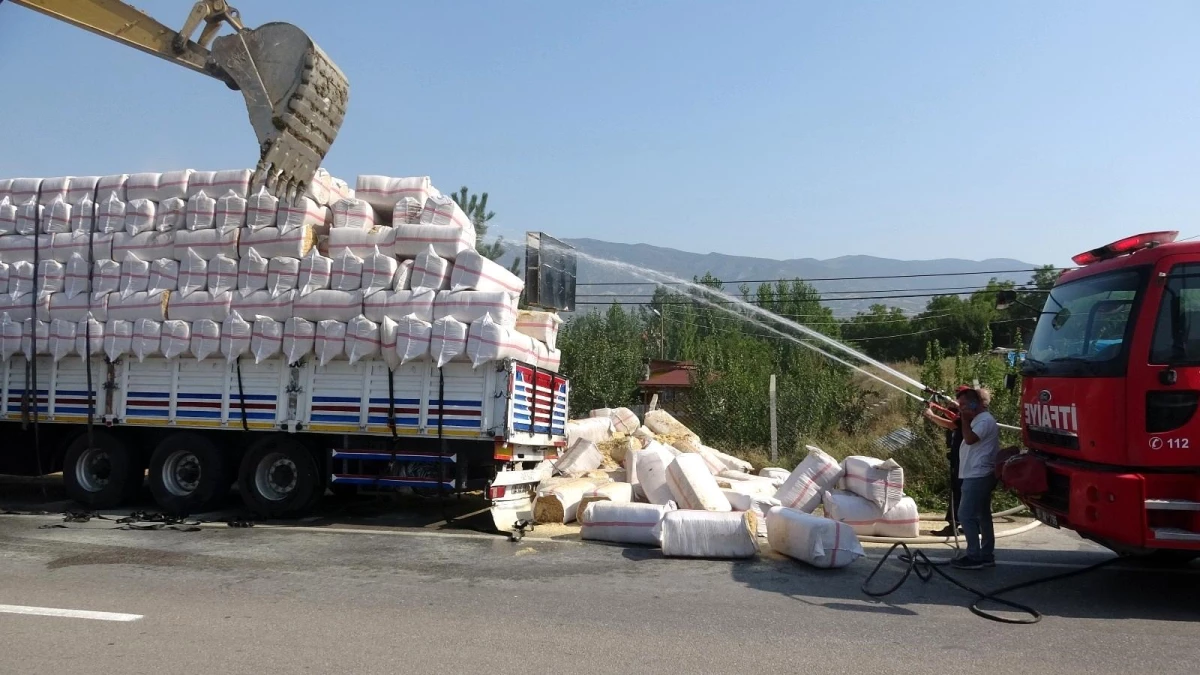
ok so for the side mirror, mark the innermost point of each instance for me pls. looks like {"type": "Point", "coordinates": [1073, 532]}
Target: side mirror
{"type": "Point", "coordinates": [1005, 299]}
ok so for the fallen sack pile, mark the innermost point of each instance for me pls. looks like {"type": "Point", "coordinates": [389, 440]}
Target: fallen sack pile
{"type": "Point", "coordinates": [187, 249]}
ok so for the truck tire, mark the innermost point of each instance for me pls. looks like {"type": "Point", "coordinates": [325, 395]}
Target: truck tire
{"type": "Point", "coordinates": [104, 475]}
{"type": "Point", "coordinates": [188, 474]}
{"type": "Point", "coordinates": [279, 478]}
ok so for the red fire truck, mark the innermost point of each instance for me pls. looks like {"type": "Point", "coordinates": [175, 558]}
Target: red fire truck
{"type": "Point", "coordinates": [1110, 395]}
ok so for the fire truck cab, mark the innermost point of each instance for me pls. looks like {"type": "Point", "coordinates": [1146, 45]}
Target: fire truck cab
{"type": "Point", "coordinates": [1111, 386]}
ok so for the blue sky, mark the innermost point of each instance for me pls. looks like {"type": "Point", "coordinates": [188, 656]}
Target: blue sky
{"type": "Point", "coordinates": [912, 130]}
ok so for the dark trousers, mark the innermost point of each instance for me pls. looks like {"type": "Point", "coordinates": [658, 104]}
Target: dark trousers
{"type": "Point", "coordinates": [956, 485]}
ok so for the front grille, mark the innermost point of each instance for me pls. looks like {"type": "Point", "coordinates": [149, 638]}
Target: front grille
{"type": "Point", "coordinates": [1058, 440]}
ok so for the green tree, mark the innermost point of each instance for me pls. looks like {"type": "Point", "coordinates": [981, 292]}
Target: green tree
{"type": "Point", "coordinates": [475, 206]}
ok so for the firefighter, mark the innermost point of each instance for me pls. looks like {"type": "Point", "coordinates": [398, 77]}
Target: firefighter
{"type": "Point", "coordinates": [954, 438]}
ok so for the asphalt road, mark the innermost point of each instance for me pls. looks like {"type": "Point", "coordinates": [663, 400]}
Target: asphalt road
{"type": "Point", "coordinates": [290, 600]}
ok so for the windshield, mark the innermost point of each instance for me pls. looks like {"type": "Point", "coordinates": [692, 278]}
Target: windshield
{"type": "Point", "coordinates": [1084, 326]}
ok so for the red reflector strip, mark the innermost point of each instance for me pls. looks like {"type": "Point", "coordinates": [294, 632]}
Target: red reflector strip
{"type": "Point", "coordinates": [497, 492]}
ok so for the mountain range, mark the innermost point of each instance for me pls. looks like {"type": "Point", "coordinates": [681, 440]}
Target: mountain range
{"type": "Point", "coordinates": [600, 283]}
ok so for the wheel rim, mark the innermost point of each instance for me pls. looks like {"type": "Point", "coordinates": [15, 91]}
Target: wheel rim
{"type": "Point", "coordinates": [276, 476]}
{"type": "Point", "coordinates": [93, 470]}
{"type": "Point", "coordinates": [181, 473]}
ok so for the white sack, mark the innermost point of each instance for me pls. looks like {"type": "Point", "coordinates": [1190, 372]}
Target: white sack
{"type": "Point", "coordinates": [474, 272]}
{"type": "Point", "coordinates": [112, 185]}
{"type": "Point", "coordinates": [252, 273]}
{"type": "Point", "coordinates": [236, 181]}
{"type": "Point", "coordinates": [266, 339]}
{"type": "Point", "coordinates": [447, 340]}
{"type": "Point", "coordinates": [15, 248]}
{"type": "Point", "coordinates": [902, 520]}
{"type": "Point", "coordinates": [29, 216]}
{"type": "Point", "coordinates": [83, 215]}
{"type": "Point", "coordinates": [867, 519]}
{"type": "Point", "coordinates": [624, 523]}
{"type": "Point", "coordinates": [230, 212]}
{"type": "Point", "coordinates": [330, 342]}
{"type": "Point", "coordinates": [378, 272]}
{"type": "Point", "coordinates": [418, 303]}
{"type": "Point", "coordinates": [618, 492]}
{"type": "Point", "coordinates": [106, 278]}
{"type": "Point", "coordinates": [581, 458]}
{"type": "Point", "coordinates": [11, 333]}
{"type": "Point", "coordinates": [624, 420]}
{"type": "Point", "coordinates": [235, 336]}
{"type": "Point", "coordinates": [693, 486]}
{"type": "Point", "coordinates": [362, 242]}
{"type": "Point", "coordinates": [272, 243]}
{"type": "Point", "coordinates": [75, 276]}
{"type": "Point", "coordinates": [325, 189]}
{"type": "Point", "coordinates": [171, 215]}
{"type": "Point", "coordinates": [135, 276]}
{"type": "Point", "coordinates": [651, 472]}
{"type": "Point", "coordinates": [61, 340]}
{"type": "Point", "coordinates": [362, 339]}
{"type": "Point", "coordinates": [593, 429]}
{"type": "Point", "coordinates": [776, 474]}
{"type": "Point", "coordinates": [314, 273]}
{"type": "Point", "coordinates": [80, 187]}
{"type": "Point", "coordinates": [200, 305]}
{"type": "Point", "coordinates": [74, 309]}
{"type": "Point", "coordinates": [176, 338]}
{"type": "Point", "coordinates": [302, 213]}
{"type": "Point", "coordinates": [759, 505]}
{"type": "Point", "coordinates": [337, 305]}
{"type": "Point", "coordinates": [222, 274]}
{"type": "Point", "coordinates": [282, 275]}
{"type": "Point", "coordinates": [5, 277]}
{"type": "Point", "coordinates": [447, 240]}
{"type": "Point", "coordinates": [812, 477]}
{"type": "Point", "coordinates": [201, 212]}
{"type": "Point", "coordinates": [876, 480]}
{"type": "Point", "coordinates": [383, 192]}
{"type": "Point", "coordinates": [541, 326]}
{"type": "Point", "coordinates": [159, 186]}
{"type": "Point", "coordinates": [110, 218]}
{"type": "Point", "coordinates": [820, 542]}
{"type": "Point", "coordinates": [387, 343]}
{"type": "Point", "coordinates": [193, 274]}
{"type": "Point", "coordinates": [147, 245]}
{"type": "Point", "coordinates": [40, 330]}
{"type": "Point", "coordinates": [139, 216]}
{"type": "Point", "coordinates": [147, 339]}
{"type": "Point", "coordinates": [262, 305]}
{"type": "Point", "coordinates": [407, 211]}
{"type": "Point", "coordinates": [471, 306]}
{"type": "Point", "coordinates": [164, 276]}
{"type": "Point", "coordinates": [207, 243]}
{"type": "Point", "coordinates": [8, 217]}
{"type": "Point", "coordinates": [57, 218]}
{"type": "Point", "coordinates": [489, 341]}
{"type": "Point", "coordinates": [346, 274]}
{"type": "Point", "coordinates": [694, 534]}
{"type": "Point", "coordinates": [353, 213]}
{"type": "Point", "coordinates": [299, 339]}
{"type": "Point", "coordinates": [52, 277]}
{"type": "Point", "coordinates": [430, 271]}
{"type": "Point", "coordinates": [206, 339]}
{"type": "Point", "coordinates": [138, 306]}
{"type": "Point", "coordinates": [261, 210]}
{"type": "Point", "coordinates": [663, 423]}
{"type": "Point", "coordinates": [413, 335]}
{"type": "Point", "coordinates": [118, 338]}
{"type": "Point", "coordinates": [89, 333]}
{"type": "Point", "coordinates": [443, 210]}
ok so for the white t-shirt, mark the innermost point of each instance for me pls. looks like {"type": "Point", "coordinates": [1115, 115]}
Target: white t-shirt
{"type": "Point", "coordinates": [977, 460]}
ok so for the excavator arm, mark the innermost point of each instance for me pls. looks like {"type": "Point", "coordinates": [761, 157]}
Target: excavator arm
{"type": "Point", "coordinates": [295, 95]}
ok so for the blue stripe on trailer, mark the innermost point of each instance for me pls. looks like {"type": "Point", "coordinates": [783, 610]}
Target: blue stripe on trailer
{"type": "Point", "coordinates": [466, 424]}
{"type": "Point", "coordinates": [433, 403]}
{"type": "Point", "coordinates": [337, 399]}
{"type": "Point", "coordinates": [400, 421]}
{"type": "Point", "coordinates": [150, 394]}
{"type": "Point", "coordinates": [353, 419]}
{"type": "Point", "coordinates": [202, 414]}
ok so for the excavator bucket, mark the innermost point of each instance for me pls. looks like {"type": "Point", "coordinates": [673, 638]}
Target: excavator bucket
{"type": "Point", "coordinates": [296, 98]}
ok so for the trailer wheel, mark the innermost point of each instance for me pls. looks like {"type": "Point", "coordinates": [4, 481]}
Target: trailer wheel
{"type": "Point", "coordinates": [188, 474]}
{"type": "Point", "coordinates": [279, 478]}
{"type": "Point", "coordinates": [103, 475]}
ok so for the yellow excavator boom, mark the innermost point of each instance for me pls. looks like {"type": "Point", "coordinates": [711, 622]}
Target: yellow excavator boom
{"type": "Point", "coordinates": [295, 95]}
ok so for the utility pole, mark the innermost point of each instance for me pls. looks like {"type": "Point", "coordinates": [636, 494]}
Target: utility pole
{"type": "Point", "coordinates": [774, 428]}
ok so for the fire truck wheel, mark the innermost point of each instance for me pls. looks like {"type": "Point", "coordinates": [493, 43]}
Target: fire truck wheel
{"type": "Point", "coordinates": [103, 474]}
{"type": "Point", "coordinates": [188, 474]}
{"type": "Point", "coordinates": [279, 478]}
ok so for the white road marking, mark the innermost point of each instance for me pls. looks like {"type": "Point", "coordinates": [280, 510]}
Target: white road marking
{"type": "Point", "coordinates": [68, 613]}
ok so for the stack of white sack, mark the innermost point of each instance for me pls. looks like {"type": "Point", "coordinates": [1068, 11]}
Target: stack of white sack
{"type": "Point", "coordinates": [880, 482]}
{"type": "Point", "coordinates": [805, 486]}
{"type": "Point", "coordinates": [471, 306]}
{"type": "Point", "coordinates": [594, 429]}
{"type": "Point", "coordinates": [473, 272]}
{"type": "Point", "coordinates": [541, 326]}
{"type": "Point", "coordinates": [820, 542]}
{"type": "Point", "coordinates": [902, 520]}
{"type": "Point", "coordinates": [489, 341]}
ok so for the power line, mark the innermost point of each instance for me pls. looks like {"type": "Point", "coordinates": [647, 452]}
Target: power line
{"type": "Point", "coordinates": [824, 293]}
{"type": "Point", "coordinates": [858, 278]}
{"type": "Point", "coordinates": [823, 300]}
{"type": "Point", "coordinates": [921, 332]}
